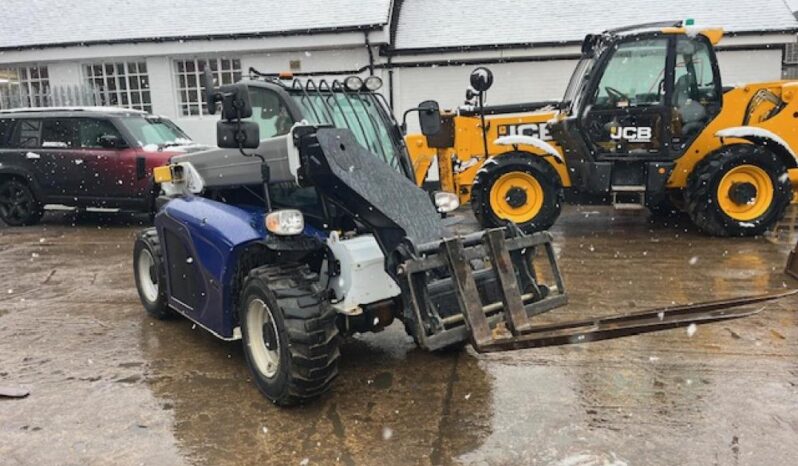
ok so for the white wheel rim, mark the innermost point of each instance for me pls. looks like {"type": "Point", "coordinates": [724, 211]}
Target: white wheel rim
{"type": "Point", "coordinates": [148, 286]}
{"type": "Point", "coordinates": [266, 360]}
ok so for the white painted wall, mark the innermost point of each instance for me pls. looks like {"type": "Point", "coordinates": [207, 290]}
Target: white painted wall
{"type": "Point", "coordinates": [513, 83]}
{"type": "Point", "coordinates": [746, 66]}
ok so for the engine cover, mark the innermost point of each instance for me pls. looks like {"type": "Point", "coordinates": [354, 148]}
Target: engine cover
{"type": "Point", "coordinates": [362, 278]}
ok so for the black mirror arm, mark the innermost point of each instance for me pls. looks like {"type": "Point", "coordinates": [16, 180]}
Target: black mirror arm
{"type": "Point", "coordinates": [481, 96]}
{"type": "Point", "coordinates": [404, 118]}
{"type": "Point", "coordinates": [265, 170]}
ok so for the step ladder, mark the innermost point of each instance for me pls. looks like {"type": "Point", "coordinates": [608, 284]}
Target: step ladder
{"type": "Point", "coordinates": [631, 197]}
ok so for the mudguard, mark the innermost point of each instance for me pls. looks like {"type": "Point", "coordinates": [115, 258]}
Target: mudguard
{"type": "Point", "coordinates": [538, 143]}
{"type": "Point", "coordinates": [201, 239]}
{"type": "Point", "coordinates": [757, 135]}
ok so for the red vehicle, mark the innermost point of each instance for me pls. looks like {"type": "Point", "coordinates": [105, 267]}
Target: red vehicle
{"type": "Point", "coordinates": [82, 157]}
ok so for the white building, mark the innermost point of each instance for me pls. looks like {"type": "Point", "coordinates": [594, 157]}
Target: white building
{"type": "Point", "coordinates": [147, 54]}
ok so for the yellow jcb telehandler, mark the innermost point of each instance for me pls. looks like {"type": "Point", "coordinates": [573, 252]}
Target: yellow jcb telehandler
{"type": "Point", "coordinates": [645, 122]}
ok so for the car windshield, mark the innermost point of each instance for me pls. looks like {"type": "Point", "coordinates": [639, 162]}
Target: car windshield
{"type": "Point", "coordinates": [155, 131]}
{"type": "Point", "coordinates": [361, 113]}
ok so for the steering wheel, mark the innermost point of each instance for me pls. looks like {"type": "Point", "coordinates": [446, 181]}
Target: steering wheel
{"type": "Point", "coordinates": [616, 95]}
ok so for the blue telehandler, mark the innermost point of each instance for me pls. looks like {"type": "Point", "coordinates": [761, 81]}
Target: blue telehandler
{"type": "Point", "coordinates": [306, 225]}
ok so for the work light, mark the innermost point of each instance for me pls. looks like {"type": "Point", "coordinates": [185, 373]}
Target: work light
{"type": "Point", "coordinates": [373, 83]}
{"type": "Point", "coordinates": [353, 83]}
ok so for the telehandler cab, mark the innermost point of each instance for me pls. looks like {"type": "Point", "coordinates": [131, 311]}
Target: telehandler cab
{"type": "Point", "coordinates": [306, 225]}
{"type": "Point", "coordinates": [645, 122]}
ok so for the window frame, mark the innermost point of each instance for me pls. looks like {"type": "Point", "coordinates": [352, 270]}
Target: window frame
{"type": "Point", "coordinates": [185, 92]}
{"type": "Point", "coordinates": [613, 52]}
{"type": "Point", "coordinates": [32, 92]}
{"type": "Point", "coordinates": [135, 71]}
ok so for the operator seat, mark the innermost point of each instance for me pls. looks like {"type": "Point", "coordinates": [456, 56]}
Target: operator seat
{"type": "Point", "coordinates": [692, 114]}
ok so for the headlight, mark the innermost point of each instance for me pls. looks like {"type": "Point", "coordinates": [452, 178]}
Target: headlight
{"type": "Point", "coordinates": [353, 83]}
{"type": "Point", "coordinates": [373, 83]}
{"type": "Point", "coordinates": [446, 202]}
{"type": "Point", "coordinates": [285, 222]}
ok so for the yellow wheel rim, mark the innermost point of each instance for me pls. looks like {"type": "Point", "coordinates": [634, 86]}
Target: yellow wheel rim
{"type": "Point", "coordinates": [745, 193]}
{"type": "Point", "coordinates": [516, 196]}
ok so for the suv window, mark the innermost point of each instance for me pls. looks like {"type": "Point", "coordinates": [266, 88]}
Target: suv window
{"type": "Point", "coordinates": [90, 130]}
{"type": "Point", "coordinates": [59, 133]}
{"type": "Point", "coordinates": [6, 125]}
{"type": "Point", "coordinates": [28, 133]}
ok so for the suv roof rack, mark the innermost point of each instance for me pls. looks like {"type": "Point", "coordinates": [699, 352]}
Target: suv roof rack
{"type": "Point", "coordinates": [72, 109]}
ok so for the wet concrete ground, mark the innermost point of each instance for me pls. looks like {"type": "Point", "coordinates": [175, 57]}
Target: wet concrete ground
{"type": "Point", "coordinates": [109, 385]}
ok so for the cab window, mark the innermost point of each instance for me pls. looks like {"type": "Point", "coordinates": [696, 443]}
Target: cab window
{"type": "Point", "coordinates": [634, 76]}
{"type": "Point", "coordinates": [270, 113]}
{"type": "Point", "coordinates": [695, 99]}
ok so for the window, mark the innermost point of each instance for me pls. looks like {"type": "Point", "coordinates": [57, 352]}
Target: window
{"type": "Point", "coordinates": [189, 81]}
{"type": "Point", "coordinates": [121, 84]}
{"type": "Point", "coordinates": [91, 130]}
{"type": "Point", "coordinates": [28, 133]}
{"type": "Point", "coordinates": [635, 75]}
{"type": "Point", "coordinates": [361, 113]}
{"type": "Point", "coordinates": [154, 130]}
{"type": "Point", "coordinates": [269, 112]}
{"type": "Point", "coordinates": [6, 126]}
{"type": "Point", "coordinates": [59, 133]}
{"type": "Point", "coordinates": [695, 97]}
{"type": "Point", "coordinates": [24, 86]}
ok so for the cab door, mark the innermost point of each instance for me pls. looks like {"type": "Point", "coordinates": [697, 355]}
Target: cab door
{"type": "Point", "coordinates": [627, 114]}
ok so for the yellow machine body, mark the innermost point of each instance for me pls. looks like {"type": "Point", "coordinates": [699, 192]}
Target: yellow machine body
{"type": "Point", "coordinates": [757, 113]}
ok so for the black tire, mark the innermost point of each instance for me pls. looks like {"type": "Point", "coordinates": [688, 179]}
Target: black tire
{"type": "Point", "coordinates": [702, 190]}
{"type": "Point", "coordinates": [302, 326]}
{"type": "Point", "coordinates": [525, 163]}
{"type": "Point", "coordinates": [18, 204]}
{"type": "Point", "coordinates": [148, 246]}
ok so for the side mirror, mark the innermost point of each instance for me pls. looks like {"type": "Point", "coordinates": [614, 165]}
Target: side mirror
{"type": "Point", "coordinates": [237, 135]}
{"type": "Point", "coordinates": [235, 102]}
{"type": "Point", "coordinates": [481, 79]}
{"type": "Point", "coordinates": [110, 141]}
{"type": "Point", "coordinates": [429, 117]}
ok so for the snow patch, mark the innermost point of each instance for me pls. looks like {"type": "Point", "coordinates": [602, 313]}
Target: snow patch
{"type": "Point", "coordinates": [753, 133]}
{"type": "Point", "coordinates": [529, 141]}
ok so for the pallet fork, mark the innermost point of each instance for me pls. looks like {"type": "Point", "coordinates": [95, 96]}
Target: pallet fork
{"type": "Point", "coordinates": [506, 323]}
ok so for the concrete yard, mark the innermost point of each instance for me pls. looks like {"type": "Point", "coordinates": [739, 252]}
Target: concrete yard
{"type": "Point", "coordinates": [110, 385]}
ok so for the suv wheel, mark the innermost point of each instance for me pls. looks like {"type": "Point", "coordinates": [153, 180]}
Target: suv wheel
{"type": "Point", "coordinates": [18, 205]}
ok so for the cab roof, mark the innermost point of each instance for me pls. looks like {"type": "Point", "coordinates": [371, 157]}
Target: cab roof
{"type": "Point", "coordinates": [687, 27]}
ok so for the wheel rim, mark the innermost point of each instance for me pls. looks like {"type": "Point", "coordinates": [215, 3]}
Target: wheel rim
{"type": "Point", "coordinates": [745, 193]}
{"type": "Point", "coordinates": [15, 203]}
{"type": "Point", "coordinates": [262, 338]}
{"type": "Point", "coordinates": [148, 276]}
{"type": "Point", "coordinates": [516, 196]}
